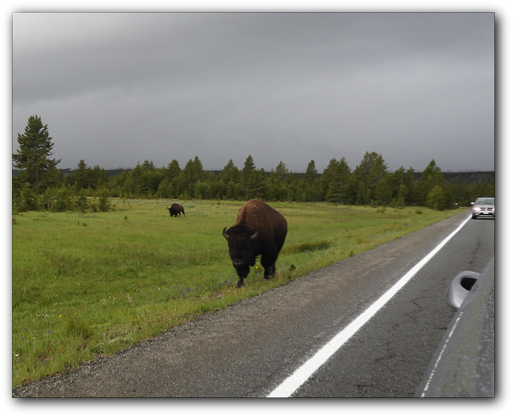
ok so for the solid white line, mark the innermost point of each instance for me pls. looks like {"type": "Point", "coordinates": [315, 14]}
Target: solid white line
{"type": "Point", "coordinates": [303, 373]}
{"type": "Point", "coordinates": [440, 355]}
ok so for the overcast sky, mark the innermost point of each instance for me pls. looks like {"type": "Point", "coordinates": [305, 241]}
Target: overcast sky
{"type": "Point", "coordinates": [116, 89]}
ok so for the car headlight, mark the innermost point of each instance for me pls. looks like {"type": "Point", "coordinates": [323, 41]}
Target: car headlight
{"type": "Point", "coordinates": [476, 209]}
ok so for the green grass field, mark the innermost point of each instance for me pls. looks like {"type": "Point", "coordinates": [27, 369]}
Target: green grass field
{"type": "Point", "coordinates": [87, 285]}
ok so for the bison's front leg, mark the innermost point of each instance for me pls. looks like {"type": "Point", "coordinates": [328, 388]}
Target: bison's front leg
{"type": "Point", "coordinates": [269, 272]}
{"type": "Point", "coordinates": [242, 272]}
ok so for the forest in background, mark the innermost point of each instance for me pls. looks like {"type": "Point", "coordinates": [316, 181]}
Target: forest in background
{"type": "Point", "coordinates": [369, 184]}
{"type": "Point", "coordinates": [38, 184]}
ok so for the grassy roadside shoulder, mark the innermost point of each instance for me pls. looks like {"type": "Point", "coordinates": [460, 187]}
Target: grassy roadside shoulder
{"type": "Point", "coordinates": [89, 285]}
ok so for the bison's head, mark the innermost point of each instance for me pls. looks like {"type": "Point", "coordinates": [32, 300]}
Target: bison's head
{"type": "Point", "coordinates": [241, 242]}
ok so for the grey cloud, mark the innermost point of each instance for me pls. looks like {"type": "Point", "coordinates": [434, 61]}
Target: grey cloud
{"type": "Point", "coordinates": [117, 89]}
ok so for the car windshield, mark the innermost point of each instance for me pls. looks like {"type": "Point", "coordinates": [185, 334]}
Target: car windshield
{"type": "Point", "coordinates": [490, 201]}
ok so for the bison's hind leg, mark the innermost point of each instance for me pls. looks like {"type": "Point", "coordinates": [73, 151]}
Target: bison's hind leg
{"type": "Point", "coordinates": [268, 263]}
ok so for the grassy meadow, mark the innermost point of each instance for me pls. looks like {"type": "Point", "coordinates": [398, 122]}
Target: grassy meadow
{"type": "Point", "coordinates": [88, 285]}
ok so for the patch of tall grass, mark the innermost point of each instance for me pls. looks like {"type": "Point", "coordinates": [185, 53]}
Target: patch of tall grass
{"type": "Point", "coordinates": [88, 285]}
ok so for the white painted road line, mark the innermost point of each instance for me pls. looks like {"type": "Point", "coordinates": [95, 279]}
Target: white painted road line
{"type": "Point", "coordinates": [440, 355]}
{"type": "Point", "coordinates": [303, 373]}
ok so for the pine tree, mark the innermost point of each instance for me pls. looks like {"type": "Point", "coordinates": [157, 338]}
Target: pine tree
{"type": "Point", "coordinates": [402, 194]}
{"type": "Point", "coordinates": [311, 172]}
{"type": "Point", "coordinates": [33, 156]}
{"type": "Point", "coordinates": [247, 170]}
{"type": "Point", "coordinates": [148, 165]}
{"type": "Point", "coordinates": [336, 179]}
{"type": "Point", "coordinates": [230, 173]}
{"type": "Point", "coordinates": [436, 198]}
{"type": "Point", "coordinates": [258, 186]}
{"type": "Point", "coordinates": [329, 173]}
{"type": "Point", "coordinates": [431, 176]}
{"type": "Point", "coordinates": [383, 193]}
{"type": "Point", "coordinates": [190, 175]}
{"type": "Point", "coordinates": [248, 176]}
{"type": "Point", "coordinates": [277, 188]}
{"type": "Point", "coordinates": [172, 174]}
{"type": "Point", "coordinates": [412, 185]}
{"type": "Point", "coordinates": [281, 171]}
{"type": "Point", "coordinates": [311, 190]}
{"type": "Point", "coordinates": [368, 173]}
{"type": "Point", "coordinates": [224, 175]}
{"type": "Point", "coordinates": [82, 175]}
{"type": "Point", "coordinates": [172, 170]}
{"type": "Point", "coordinates": [99, 177]}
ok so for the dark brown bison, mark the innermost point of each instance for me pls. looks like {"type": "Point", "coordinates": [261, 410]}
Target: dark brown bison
{"type": "Point", "coordinates": [176, 210]}
{"type": "Point", "coordinates": [259, 229]}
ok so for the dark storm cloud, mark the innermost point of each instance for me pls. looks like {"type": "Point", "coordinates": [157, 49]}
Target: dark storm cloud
{"type": "Point", "coordinates": [115, 89]}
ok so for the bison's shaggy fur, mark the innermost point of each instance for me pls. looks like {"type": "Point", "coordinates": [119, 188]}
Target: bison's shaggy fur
{"type": "Point", "coordinates": [259, 229]}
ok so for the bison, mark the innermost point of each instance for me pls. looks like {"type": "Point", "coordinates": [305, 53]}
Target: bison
{"type": "Point", "coordinates": [259, 229]}
{"type": "Point", "coordinates": [176, 210]}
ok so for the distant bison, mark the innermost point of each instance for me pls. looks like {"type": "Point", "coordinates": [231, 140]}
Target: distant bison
{"type": "Point", "coordinates": [176, 210]}
{"type": "Point", "coordinates": [259, 229]}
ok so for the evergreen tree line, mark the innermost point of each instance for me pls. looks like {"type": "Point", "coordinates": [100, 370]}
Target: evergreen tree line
{"type": "Point", "coordinates": [45, 187]}
{"type": "Point", "coordinates": [369, 184]}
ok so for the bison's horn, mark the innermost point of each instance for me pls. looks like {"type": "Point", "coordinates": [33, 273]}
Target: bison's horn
{"type": "Point", "coordinates": [225, 234]}
{"type": "Point", "coordinates": [255, 235]}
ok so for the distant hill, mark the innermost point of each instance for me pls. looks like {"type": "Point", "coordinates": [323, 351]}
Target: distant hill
{"type": "Point", "coordinates": [67, 171]}
{"type": "Point", "coordinates": [466, 177]}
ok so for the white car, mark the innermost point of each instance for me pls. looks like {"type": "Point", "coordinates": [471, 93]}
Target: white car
{"type": "Point", "coordinates": [483, 206]}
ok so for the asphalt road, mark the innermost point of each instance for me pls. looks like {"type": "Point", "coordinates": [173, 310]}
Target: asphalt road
{"type": "Point", "coordinates": [248, 349]}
